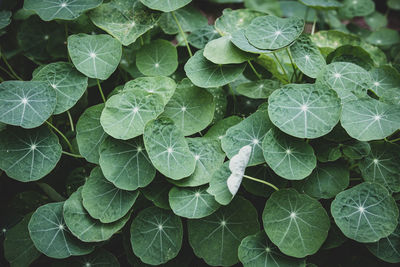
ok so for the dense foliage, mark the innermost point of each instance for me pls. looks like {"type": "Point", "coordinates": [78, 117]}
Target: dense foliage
{"type": "Point", "coordinates": [141, 132]}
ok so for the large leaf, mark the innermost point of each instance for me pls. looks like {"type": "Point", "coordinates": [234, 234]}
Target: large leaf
{"type": "Point", "coordinates": [26, 104]}
{"type": "Point", "coordinates": [223, 51]}
{"type": "Point", "coordinates": [126, 20]}
{"type": "Point", "coordinates": [227, 226]}
{"type": "Point", "coordinates": [166, 6]}
{"type": "Point", "coordinates": [104, 201]}
{"type": "Point", "coordinates": [126, 164]}
{"type": "Point", "coordinates": [357, 8]}
{"type": "Point", "coordinates": [200, 37]}
{"type": "Point", "coordinates": [60, 9]}
{"type": "Point", "coordinates": [50, 235]}
{"type": "Point", "coordinates": [168, 149]}
{"type": "Point", "coordinates": [156, 235]}
{"type": "Point", "coordinates": [304, 110]}
{"type": "Point", "coordinates": [365, 212]}
{"type": "Point", "coordinates": [296, 223]}
{"type": "Point", "coordinates": [96, 56]}
{"type": "Point", "coordinates": [68, 83]}
{"type": "Point", "coordinates": [386, 84]}
{"type": "Point", "coordinates": [28, 155]}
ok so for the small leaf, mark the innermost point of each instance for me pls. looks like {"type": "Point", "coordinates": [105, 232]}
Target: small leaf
{"type": "Point", "coordinates": [357, 8]}
{"type": "Point", "coordinates": [218, 130]}
{"type": "Point", "coordinates": [386, 84]}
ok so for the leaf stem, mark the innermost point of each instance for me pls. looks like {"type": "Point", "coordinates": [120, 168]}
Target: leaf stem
{"type": "Point", "coordinates": [101, 91]}
{"type": "Point", "coordinates": [71, 122]}
{"type": "Point", "coordinates": [261, 181]}
{"type": "Point", "coordinates": [61, 134]}
{"type": "Point", "coordinates": [1, 79]}
{"type": "Point", "coordinates": [7, 72]}
{"type": "Point", "coordinates": [9, 67]}
{"type": "Point", "coordinates": [183, 34]}
{"type": "Point", "coordinates": [292, 62]}
{"type": "Point", "coordinates": [280, 64]}
{"type": "Point", "coordinates": [233, 96]}
{"type": "Point", "coordinates": [254, 70]}
{"type": "Point", "coordinates": [51, 192]}
{"type": "Point", "coordinates": [313, 26]}
{"type": "Point", "coordinates": [72, 155]}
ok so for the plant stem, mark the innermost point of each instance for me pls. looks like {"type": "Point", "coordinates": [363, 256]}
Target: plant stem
{"type": "Point", "coordinates": [101, 91]}
{"type": "Point", "coordinates": [183, 34]}
{"type": "Point", "coordinates": [9, 67]}
{"type": "Point", "coordinates": [233, 96]}
{"type": "Point", "coordinates": [313, 26]}
{"type": "Point", "coordinates": [292, 62]}
{"type": "Point", "coordinates": [1, 79]}
{"type": "Point", "coordinates": [72, 155]}
{"type": "Point", "coordinates": [70, 121]}
{"type": "Point", "coordinates": [280, 64]}
{"type": "Point", "coordinates": [66, 40]}
{"type": "Point", "coordinates": [394, 140]}
{"type": "Point", "coordinates": [51, 192]}
{"type": "Point", "coordinates": [261, 181]}
{"type": "Point", "coordinates": [61, 134]}
{"type": "Point", "coordinates": [254, 70]}
{"type": "Point", "coordinates": [141, 41]}
{"type": "Point", "coordinates": [7, 72]}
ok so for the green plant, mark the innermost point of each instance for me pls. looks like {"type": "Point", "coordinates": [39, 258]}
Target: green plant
{"type": "Point", "coordinates": [137, 127]}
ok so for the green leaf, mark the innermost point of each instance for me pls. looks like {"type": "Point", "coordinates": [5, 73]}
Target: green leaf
{"type": "Point", "coordinates": [209, 157]}
{"type": "Point", "coordinates": [235, 20]}
{"type": "Point", "coordinates": [5, 18]}
{"type": "Point", "coordinates": [85, 227]}
{"type": "Point", "coordinates": [200, 37]}
{"type": "Point", "coordinates": [26, 104]}
{"type": "Point", "coordinates": [126, 164]}
{"type": "Point", "coordinates": [384, 37]}
{"type": "Point", "coordinates": [204, 73]}
{"type": "Point", "coordinates": [50, 235]}
{"type": "Point", "coordinates": [356, 149]}
{"type": "Point", "coordinates": [394, 4]}
{"type": "Point", "coordinates": [386, 83]}
{"type": "Point", "coordinates": [223, 51]}
{"type": "Point", "coordinates": [239, 39]}
{"type": "Point", "coordinates": [376, 20]}
{"type": "Point", "coordinates": [296, 9]}
{"type": "Point", "coordinates": [368, 119]}
{"type": "Point", "coordinates": [126, 20]}
{"type": "Point", "coordinates": [381, 166]}
{"type": "Point", "coordinates": [159, 58]}
{"type": "Point", "coordinates": [325, 150]}
{"type": "Point", "coordinates": [126, 114]}
{"type": "Point", "coordinates": [326, 180]}
{"type": "Point", "coordinates": [296, 223]}
{"type": "Point", "coordinates": [157, 192]}
{"type": "Point", "coordinates": [353, 54]}
{"type": "Point", "coordinates": [304, 110]}
{"type": "Point", "coordinates": [257, 250]}
{"type": "Point", "coordinates": [189, 17]}
{"type": "Point", "coordinates": [290, 158]}
{"type": "Point", "coordinates": [357, 8]}
{"type": "Point", "coordinates": [218, 185]}
{"type": "Point", "coordinates": [28, 155]}
{"type": "Point", "coordinates": [218, 130]}
{"type": "Point", "coordinates": [365, 212]}
{"type": "Point", "coordinates": [96, 56]}
{"type": "Point", "coordinates": [171, 5]}
{"type": "Point", "coordinates": [307, 57]}
{"type": "Point", "coordinates": [104, 201]}
{"type": "Point", "coordinates": [227, 226]}
{"type": "Point", "coordinates": [19, 249]}
{"type": "Point", "coordinates": [90, 134]}
{"type": "Point", "coordinates": [260, 89]}
{"type": "Point", "coordinates": [191, 108]}
{"type": "Point", "coordinates": [156, 235]}
{"type": "Point", "coordinates": [270, 32]}
{"type": "Point", "coordinates": [68, 83]}
{"type": "Point", "coordinates": [251, 131]}
{"type": "Point", "coordinates": [99, 258]}
{"type": "Point", "coordinates": [322, 4]}
{"type": "Point", "coordinates": [168, 149]}
{"type": "Point", "coordinates": [65, 9]}
{"type": "Point", "coordinates": [192, 203]}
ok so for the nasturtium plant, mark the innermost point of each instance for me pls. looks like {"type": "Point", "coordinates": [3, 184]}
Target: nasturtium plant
{"type": "Point", "coordinates": [199, 133]}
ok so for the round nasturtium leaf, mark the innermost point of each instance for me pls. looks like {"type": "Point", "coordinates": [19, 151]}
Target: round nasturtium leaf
{"type": "Point", "coordinates": [167, 148]}
{"type": "Point", "coordinates": [68, 83]}
{"type": "Point", "coordinates": [322, 4]}
{"type": "Point", "coordinates": [307, 56]}
{"type": "Point", "coordinates": [159, 58]}
{"type": "Point", "coordinates": [192, 203]}
{"type": "Point", "coordinates": [125, 163]}
{"type": "Point", "coordinates": [296, 223]}
{"type": "Point", "coordinates": [394, 4]}
{"type": "Point", "coordinates": [289, 157]}
{"type": "Point", "coordinates": [365, 212]}
{"type": "Point", "coordinates": [357, 8]}
{"type": "Point", "coordinates": [26, 103]}
{"type": "Point", "coordinates": [353, 54]}
{"type": "Point", "coordinates": [239, 39]}
{"type": "Point", "coordinates": [218, 185]}
{"type": "Point", "coordinates": [250, 131]}
{"type": "Point", "coordinates": [166, 6]}
{"type": "Point", "coordinates": [126, 113]}
{"type": "Point", "coordinates": [60, 9]}
{"type": "Point", "coordinates": [382, 166]}
{"type": "Point", "coordinates": [304, 110]}
{"type": "Point", "coordinates": [200, 37]}
{"type": "Point", "coordinates": [376, 20]}
{"type": "Point", "coordinates": [326, 180]}
{"type": "Point", "coordinates": [227, 226]}
{"type": "Point", "coordinates": [126, 20]}
{"type": "Point", "coordinates": [104, 201]}
{"type": "Point", "coordinates": [235, 20]}
{"type": "Point", "coordinates": [50, 235]}
{"type": "Point", "coordinates": [163, 86]}
{"type": "Point", "coordinates": [190, 19]}
{"type": "Point", "coordinates": [84, 227]}
{"type": "Point", "coordinates": [90, 134]}
{"type": "Point", "coordinates": [257, 250]}
{"type": "Point", "coordinates": [347, 79]}
{"type": "Point", "coordinates": [28, 155]}
{"type": "Point", "coordinates": [355, 149]}
{"type": "Point", "coordinates": [99, 258]}
{"type": "Point", "coordinates": [157, 192]}
{"type": "Point", "coordinates": [223, 51]}
{"type": "Point", "coordinates": [386, 83]}
{"type": "Point", "coordinates": [204, 73]}
{"type": "Point", "coordinates": [191, 108]}
{"type": "Point", "coordinates": [96, 56]}
{"type": "Point", "coordinates": [156, 235]}
{"type": "Point", "coordinates": [369, 119]}
{"type": "Point", "coordinates": [260, 89]}
{"type": "Point", "coordinates": [270, 32]}
{"type": "Point", "coordinates": [218, 130]}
